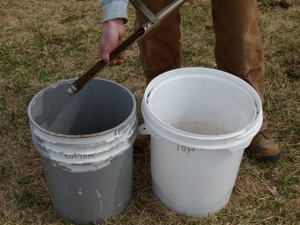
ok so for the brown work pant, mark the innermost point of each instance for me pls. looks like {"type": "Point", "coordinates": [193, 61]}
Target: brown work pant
{"type": "Point", "coordinates": [238, 48]}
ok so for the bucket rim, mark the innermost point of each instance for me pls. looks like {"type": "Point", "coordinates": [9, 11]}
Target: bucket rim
{"type": "Point", "coordinates": [54, 85]}
{"type": "Point", "coordinates": [154, 121]}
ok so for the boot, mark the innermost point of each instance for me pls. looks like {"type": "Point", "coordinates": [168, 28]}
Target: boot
{"type": "Point", "coordinates": [263, 148]}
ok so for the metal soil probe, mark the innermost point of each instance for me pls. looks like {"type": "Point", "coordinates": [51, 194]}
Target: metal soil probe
{"type": "Point", "coordinates": [154, 21]}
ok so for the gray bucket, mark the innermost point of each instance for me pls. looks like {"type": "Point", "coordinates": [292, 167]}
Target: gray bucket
{"type": "Point", "coordinates": [85, 142]}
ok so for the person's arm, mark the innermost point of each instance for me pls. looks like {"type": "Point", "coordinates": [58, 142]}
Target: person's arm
{"type": "Point", "coordinates": [115, 16]}
{"type": "Point", "coordinates": [111, 38]}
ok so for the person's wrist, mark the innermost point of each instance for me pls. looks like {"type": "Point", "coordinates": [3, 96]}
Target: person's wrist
{"type": "Point", "coordinates": [117, 21]}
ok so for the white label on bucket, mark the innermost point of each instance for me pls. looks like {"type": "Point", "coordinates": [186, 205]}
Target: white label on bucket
{"type": "Point", "coordinates": [187, 149]}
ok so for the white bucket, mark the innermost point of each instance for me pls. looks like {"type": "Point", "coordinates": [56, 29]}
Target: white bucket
{"type": "Point", "coordinates": [200, 121]}
{"type": "Point", "coordinates": [85, 142]}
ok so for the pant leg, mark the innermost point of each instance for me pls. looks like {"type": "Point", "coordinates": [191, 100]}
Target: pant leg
{"type": "Point", "coordinates": [160, 51]}
{"type": "Point", "coordinates": [238, 47]}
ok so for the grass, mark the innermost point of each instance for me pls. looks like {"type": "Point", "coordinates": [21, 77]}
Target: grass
{"type": "Point", "coordinates": [43, 42]}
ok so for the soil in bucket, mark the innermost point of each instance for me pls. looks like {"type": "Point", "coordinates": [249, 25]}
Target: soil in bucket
{"type": "Point", "coordinates": [200, 121]}
{"type": "Point", "coordinates": [85, 142]}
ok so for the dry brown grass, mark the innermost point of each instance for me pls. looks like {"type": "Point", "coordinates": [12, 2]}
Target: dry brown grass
{"type": "Point", "coordinates": [42, 42]}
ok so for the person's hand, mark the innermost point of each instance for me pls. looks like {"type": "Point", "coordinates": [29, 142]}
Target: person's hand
{"type": "Point", "coordinates": [111, 38]}
{"type": "Point", "coordinates": [192, 1]}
